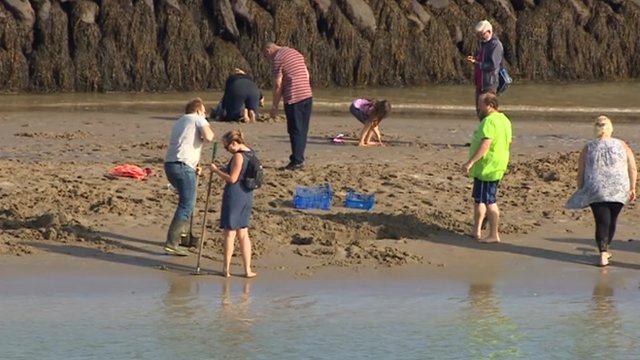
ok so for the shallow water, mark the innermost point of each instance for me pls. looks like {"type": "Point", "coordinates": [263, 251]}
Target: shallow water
{"type": "Point", "coordinates": [584, 315]}
{"type": "Point", "coordinates": [567, 100]}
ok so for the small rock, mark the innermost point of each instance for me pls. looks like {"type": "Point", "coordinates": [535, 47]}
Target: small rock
{"type": "Point", "coordinates": [50, 234]}
{"type": "Point", "coordinates": [297, 239]}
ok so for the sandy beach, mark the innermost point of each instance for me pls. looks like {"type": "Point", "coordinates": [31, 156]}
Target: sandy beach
{"type": "Point", "coordinates": [60, 208]}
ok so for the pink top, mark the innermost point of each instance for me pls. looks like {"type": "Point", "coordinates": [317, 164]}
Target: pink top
{"type": "Point", "coordinates": [363, 105]}
{"type": "Point", "coordinates": [289, 64]}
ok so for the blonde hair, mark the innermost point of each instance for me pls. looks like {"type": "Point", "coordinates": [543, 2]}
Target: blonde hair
{"type": "Point", "coordinates": [602, 127]}
{"type": "Point", "coordinates": [193, 105]}
{"type": "Point", "coordinates": [231, 136]}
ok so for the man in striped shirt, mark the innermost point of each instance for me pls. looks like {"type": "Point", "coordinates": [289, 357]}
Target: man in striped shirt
{"type": "Point", "coordinates": [290, 78]}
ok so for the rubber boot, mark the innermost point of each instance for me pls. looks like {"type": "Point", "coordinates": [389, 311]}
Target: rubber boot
{"type": "Point", "coordinates": [189, 240]}
{"type": "Point", "coordinates": [171, 247]}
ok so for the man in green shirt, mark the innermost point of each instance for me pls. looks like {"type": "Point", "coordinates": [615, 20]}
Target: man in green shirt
{"type": "Point", "coordinates": [488, 160]}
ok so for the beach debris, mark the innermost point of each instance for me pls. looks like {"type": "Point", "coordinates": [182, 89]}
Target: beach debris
{"type": "Point", "coordinates": [132, 171]}
{"type": "Point", "coordinates": [298, 239]}
{"type": "Point", "coordinates": [78, 134]}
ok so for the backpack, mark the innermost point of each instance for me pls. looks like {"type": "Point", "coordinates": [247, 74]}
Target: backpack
{"type": "Point", "coordinates": [253, 176]}
{"type": "Point", "coordinates": [504, 80]}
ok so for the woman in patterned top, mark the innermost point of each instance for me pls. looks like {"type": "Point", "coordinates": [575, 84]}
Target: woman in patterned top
{"type": "Point", "coordinates": [606, 181]}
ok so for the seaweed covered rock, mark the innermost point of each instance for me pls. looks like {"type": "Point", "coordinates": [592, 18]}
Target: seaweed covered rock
{"type": "Point", "coordinates": [145, 45]}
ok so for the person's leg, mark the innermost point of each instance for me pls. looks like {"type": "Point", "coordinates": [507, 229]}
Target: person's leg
{"type": "Point", "coordinates": [245, 248]}
{"type": "Point", "coordinates": [229, 242]}
{"type": "Point", "coordinates": [251, 116]}
{"type": "Point", "coordinates": [493, 214]}
{"type": "Point", "coordinates": [183, 178]}
{"type": "Point", "coordinates": [478, 193]}
{"type": "Point", "coordinates": [479, 213]}
{"type": "Point", "coordinates": [376, 131]}
{"type": "Point", "coordinates": [615, 208]}
{"type": "Point", "coordinates": [602, 217]}
{"type": "Point", "coordinates": [298, 117]}
{"type": "Point", "coordinates": [487, 193]}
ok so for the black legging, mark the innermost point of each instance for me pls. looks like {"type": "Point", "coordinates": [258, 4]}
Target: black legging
{"type": "Point", "coordinates": [606, 215]}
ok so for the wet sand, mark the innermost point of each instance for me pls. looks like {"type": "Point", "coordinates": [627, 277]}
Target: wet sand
{"type": "Point", "coordinates": [60, 210]}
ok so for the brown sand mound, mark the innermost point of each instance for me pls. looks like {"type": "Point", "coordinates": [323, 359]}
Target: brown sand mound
{"type": "Point", "coordinates": [49, 226]}
{"type": "Point", "coordinates": [418, 203]}
{"type": "Point", "coordinates": [79, 134]}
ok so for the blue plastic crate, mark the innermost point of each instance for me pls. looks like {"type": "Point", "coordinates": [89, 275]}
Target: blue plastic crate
{"type": "Point", "coordinates": [313, 197]}
{"type": "Point", "coordinates": [359, 201]}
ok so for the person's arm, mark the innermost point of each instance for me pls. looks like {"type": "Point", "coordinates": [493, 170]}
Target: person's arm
{"type": "Point", "coordinates": [482, 151]}
{"type": "Point", "coordinates": [207, 133]}
{"type": "Point", "coordinates": [276, 95]}
{"type": "Point", "coordinates": [633, 172]}
{"type": "Point", "coordinates": [581, 161]}
{"type": "Point", "coordinates": [234, 173]}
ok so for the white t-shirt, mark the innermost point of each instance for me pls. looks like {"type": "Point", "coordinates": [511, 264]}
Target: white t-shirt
{"type": "Point", "coordinates": [186, 140]}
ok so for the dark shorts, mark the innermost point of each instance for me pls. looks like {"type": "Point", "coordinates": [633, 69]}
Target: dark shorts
{"type": "Point", "coordinates": [484, 192]}
{"type": "Point", "coordinates": [359, 114]}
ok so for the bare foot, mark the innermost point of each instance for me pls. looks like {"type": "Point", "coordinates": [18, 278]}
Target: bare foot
{"type": "Point", "coordinates": [225, 273]}
{"type": "Point", "coordinates": [604, 258]}
{"type": "Point", "coordinates": [489, 240]}
{"type": "Point", "coordinates": [250, 275]}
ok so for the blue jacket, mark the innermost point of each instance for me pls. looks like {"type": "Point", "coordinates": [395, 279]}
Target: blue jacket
{"type": "Point", "coordinates": [489, 59]}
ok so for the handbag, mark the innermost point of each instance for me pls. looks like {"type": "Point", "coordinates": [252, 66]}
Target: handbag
{"type": "Point", "coordinates": [504, 80]}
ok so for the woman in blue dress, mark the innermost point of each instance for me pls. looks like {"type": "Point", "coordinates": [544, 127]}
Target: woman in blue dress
{"type": "Point", "coordinates": [237, 201]}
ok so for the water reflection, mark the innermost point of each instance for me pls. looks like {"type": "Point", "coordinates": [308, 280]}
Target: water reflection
{"type": "Point", "coordinates": [179, 300]}
{"type": "Point", "coordinates": [603, 334]}
{"type": "Point", "coordinates": [236, 321]}
{"type": "Point", "coordinates": [491, 334]}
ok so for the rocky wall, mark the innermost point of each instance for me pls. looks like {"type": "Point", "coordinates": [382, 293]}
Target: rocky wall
{"type": "Point", "coordinates": [190, 45]}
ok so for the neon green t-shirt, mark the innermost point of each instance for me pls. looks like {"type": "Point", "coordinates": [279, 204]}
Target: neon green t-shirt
{"type": "Point", "coordinates": [491, 167]}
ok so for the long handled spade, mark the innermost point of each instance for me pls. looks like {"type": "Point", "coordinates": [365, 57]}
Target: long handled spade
{"type": "Point", "coordinates": [206, 209]}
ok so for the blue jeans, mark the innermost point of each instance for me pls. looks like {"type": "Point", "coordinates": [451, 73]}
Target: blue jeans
{"type": "Point", "coordinates": [183, 178]}
{"type": "Point", "coordinates": [298, 116]}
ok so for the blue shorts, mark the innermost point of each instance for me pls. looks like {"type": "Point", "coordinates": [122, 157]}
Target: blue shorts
{"type": "Point", "coordinates": [484, 192]}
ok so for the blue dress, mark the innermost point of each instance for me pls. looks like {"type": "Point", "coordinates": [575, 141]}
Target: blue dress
{"type": "Point", "coordinates": [237, 201]}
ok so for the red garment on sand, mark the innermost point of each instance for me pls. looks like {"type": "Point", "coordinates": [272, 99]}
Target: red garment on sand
{"type": "Point", "coordinates": [133, 171]}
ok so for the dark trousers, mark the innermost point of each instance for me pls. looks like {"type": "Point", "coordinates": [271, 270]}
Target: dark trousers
{"type": "Point", "coordinates": [606, 216]}
{"type": "Point", "coordinates": [298, 117]}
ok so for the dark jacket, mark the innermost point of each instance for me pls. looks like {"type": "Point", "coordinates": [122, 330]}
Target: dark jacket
{"type": "Point", "coordinates": [240, 92]}
{"type": "Point", "coordinates": [489, 59]}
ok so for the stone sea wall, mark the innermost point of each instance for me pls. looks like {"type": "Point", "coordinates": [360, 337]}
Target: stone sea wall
{"type": "Point", "coordinates": [191, 45]}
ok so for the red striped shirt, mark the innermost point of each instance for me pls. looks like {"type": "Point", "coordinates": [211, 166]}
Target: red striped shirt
{"type": "Point", "coordinates": [289, 64]}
